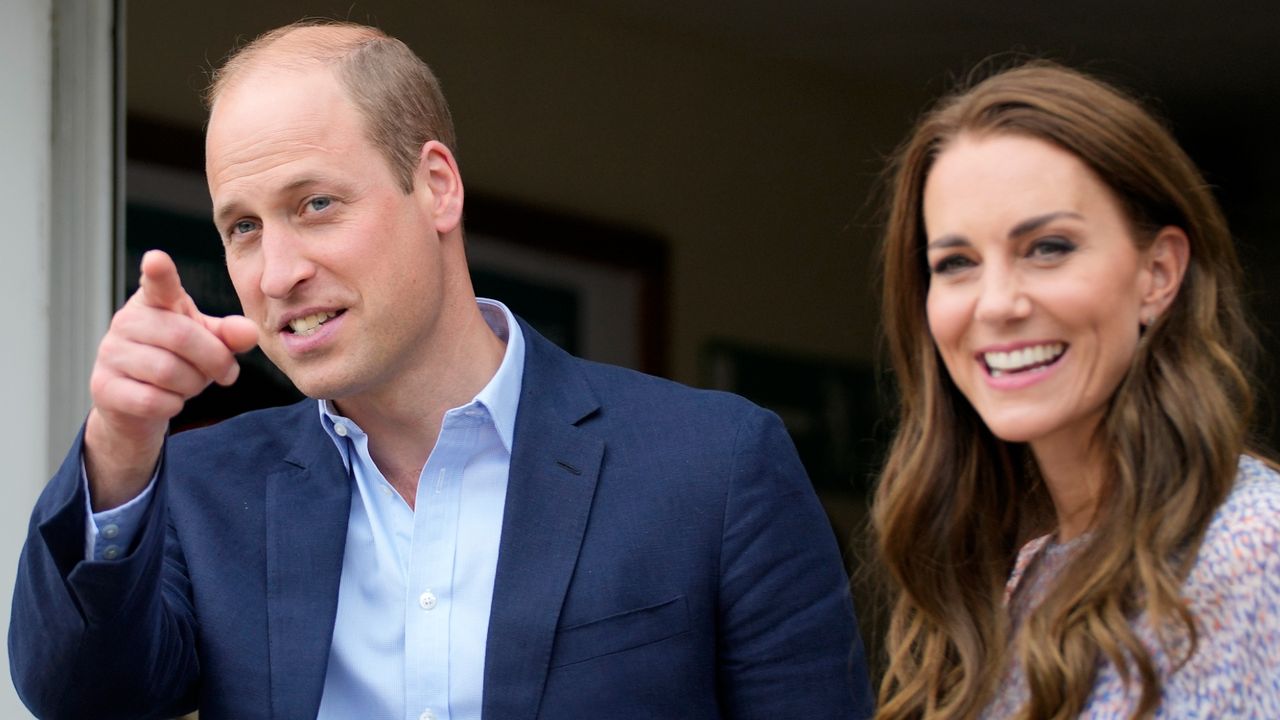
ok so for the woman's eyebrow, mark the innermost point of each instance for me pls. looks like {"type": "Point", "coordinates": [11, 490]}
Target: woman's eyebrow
{"type": "Point", "coordinates": [1035, 223]}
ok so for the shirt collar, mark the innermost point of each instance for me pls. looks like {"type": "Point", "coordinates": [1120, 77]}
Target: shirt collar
{"type": "Point", "coordinates": [500, 396]}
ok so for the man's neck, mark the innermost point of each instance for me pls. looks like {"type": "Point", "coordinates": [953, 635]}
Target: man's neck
{"type": "Point", "coordinates": [403, 419]}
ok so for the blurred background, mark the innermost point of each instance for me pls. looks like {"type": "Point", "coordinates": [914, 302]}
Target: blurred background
{"type": "Point", "coordinates": [690, 189]}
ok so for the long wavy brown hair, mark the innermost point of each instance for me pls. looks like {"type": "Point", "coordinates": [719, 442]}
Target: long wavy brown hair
{"type": "Point", "coordinates": [955, 503]}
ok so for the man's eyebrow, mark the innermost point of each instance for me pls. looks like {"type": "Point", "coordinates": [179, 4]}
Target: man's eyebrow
{"type": "Point", "coordinates": [302, 182]}
{"type": "Point", "coordinates": [223, 212]}
{"type": "Point", "coordinates": [1039, 221]}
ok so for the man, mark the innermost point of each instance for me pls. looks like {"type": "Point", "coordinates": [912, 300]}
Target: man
{"type": "Point", "coordinates": [468, 523]}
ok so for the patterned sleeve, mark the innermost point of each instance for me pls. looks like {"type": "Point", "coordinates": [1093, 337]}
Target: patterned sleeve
{"type": "Point", "coordinates": [1261, 620]}
{"type": "Point", "coordinates": [1234, 592]}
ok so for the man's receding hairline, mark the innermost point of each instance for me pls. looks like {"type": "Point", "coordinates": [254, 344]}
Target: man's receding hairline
{"type": "Point", "coordinates": [395, 93]}
{"type": "Point", "coordinates": [301, 46]}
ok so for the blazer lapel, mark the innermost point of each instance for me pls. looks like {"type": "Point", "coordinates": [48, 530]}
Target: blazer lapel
{"type": "Point", "coordinates": [308, 503]}
{"type": "Point", "coordinates": [554, 468]}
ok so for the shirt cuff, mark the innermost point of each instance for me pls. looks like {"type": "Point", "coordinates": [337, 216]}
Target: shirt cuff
{"type": "Point", "coordinates": [116, 527]}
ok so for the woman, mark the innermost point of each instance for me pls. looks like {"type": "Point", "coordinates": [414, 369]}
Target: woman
{"type": "Point", "coordinates": [1062, 308]}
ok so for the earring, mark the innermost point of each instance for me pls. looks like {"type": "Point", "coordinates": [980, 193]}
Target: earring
{"type": "Point", "coordinates": [1147, 320]}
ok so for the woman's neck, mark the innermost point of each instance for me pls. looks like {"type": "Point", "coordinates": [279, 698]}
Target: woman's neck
{"type": "Point", "coordinates": [1073, 469]}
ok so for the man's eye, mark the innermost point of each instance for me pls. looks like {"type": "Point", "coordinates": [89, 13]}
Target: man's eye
{"type": "Point", "coordinates": [319, 203]}
{"type": "Point", "coordinates": [244, 227]}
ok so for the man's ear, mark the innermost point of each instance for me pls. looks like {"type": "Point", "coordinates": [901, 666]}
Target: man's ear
{"type": "Point", "coordinates": [437, 174]}
{"type": "Point", "coordinates": [1166, 263]}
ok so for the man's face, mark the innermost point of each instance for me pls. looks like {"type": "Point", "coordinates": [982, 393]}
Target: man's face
{"type": "Point", "coordinates": [340, 269]}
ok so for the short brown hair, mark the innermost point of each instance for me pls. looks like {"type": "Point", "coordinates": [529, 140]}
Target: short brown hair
{"type": "Point", "coordinates": [394, 91]}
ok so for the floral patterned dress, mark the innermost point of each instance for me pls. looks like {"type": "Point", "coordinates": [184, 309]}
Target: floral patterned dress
{"type": "Point", "coordinates": [1233, 591]}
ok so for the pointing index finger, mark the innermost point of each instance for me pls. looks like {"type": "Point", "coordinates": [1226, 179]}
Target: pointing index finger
{"type": "Point", "coordinates": [161, 286]}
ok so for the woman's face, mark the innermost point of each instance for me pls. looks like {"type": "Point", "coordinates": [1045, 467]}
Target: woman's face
{"type": "Point", "coordinates": [1036, 285]}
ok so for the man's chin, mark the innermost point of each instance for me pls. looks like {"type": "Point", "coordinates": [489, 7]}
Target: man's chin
{"type": "Point", "coordinates": [320, 389]}
{"type": "Point", "coordinates": [311, 380]}
{"type": "Point", "coordinates": [306, 375]}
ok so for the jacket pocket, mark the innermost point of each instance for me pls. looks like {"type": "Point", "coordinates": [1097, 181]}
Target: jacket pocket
{"type": "Point", "coordinates": [621, 631]}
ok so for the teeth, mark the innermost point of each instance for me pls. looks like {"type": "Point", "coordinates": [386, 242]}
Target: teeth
{"type": "Point", "coordinates": [1022, 359]}
{"type": "Point", "coordinates": [307, 325]}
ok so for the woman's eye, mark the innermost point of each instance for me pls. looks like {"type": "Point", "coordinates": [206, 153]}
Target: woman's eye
{"type": "Point", "coordinates": [1051, 248]}
{"type": "Point", "coordinates": [950, 264]}
{"type": "Point", "coordinates": [319, 203]}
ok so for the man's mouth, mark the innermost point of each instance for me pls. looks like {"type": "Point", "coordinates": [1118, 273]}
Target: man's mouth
{"type": "Point", "coordinates": [310, 323]}
{"type": "Point", "coordinates": [1032, 357]}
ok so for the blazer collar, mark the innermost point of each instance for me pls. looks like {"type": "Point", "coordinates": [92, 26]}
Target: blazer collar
{"type": "Point", "coordinates": [554, 468]}
{"type": "Point", "coordinates": [308, 502]}
{"type": "Point", "coordinates": [555, 465]}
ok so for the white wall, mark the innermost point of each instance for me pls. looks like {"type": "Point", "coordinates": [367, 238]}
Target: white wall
{"type": "Point", "coordinates": [25, 131]}
{"type": "Point", "coordinates": [57, 182]}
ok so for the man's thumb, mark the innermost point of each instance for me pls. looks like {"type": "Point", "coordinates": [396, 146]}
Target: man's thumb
{"type": "Point", "coordinates": [237, 332]}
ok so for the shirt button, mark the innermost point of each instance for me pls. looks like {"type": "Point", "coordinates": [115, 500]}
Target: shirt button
{"type": "Point", "coordinates": [340, 429]}
{"type": "Point", "coordinates": [111, 531]}
{"type": "Point", "coordinates": [427, 715]}
{"type": "Point", "coordinates": [427, 601]}
{"type": "Point", "coordinates": [111, 552]}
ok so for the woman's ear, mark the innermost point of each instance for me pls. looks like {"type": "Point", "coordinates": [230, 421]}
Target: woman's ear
{"type": "Point", "coordinates": [1165, 264]}
{"type": "Point", "coordinates": [439, 182]}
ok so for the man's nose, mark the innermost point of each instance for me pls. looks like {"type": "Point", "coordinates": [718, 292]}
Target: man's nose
{"type": "Point", "coordinates": [1002, 296]}
{"type": "Point", "coordinates": [284, 262]}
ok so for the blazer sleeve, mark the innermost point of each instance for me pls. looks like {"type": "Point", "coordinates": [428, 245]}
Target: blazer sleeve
{"type": "Point", "coordinates": [102, 639]}
{"type": "Point", "coordinates": [788, 645]}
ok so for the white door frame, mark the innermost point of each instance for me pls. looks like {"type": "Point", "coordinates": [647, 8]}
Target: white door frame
{"type": "Point", "coordinates": [83, 243]}
{"type": "Point", "coordinates": [58, 129]}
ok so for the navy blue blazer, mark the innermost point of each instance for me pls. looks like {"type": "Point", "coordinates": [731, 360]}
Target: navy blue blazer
{"type": "Point", "coordinates": [662, 556]}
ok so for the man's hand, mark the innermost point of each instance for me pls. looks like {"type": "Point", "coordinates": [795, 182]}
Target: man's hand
{"type": "Point", "coordinates": [159, 352]}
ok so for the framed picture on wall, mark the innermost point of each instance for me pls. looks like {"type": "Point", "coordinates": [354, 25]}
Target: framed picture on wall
{"type": "Point", "coordinates": [832, 409]}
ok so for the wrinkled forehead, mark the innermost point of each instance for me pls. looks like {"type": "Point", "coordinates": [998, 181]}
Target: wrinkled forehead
{"type": "Point", "coordinates": [279, 92]}
{"type": "Point", "coordinates": [264, 75]}
{"type": "Point", "coordinates": [269, 111]}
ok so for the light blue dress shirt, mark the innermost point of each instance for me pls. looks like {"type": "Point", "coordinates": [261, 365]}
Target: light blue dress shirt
{"type": "Point", "coordinates": [413, 604]}
{"type": "Point", "coordinates": [416, 588]}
